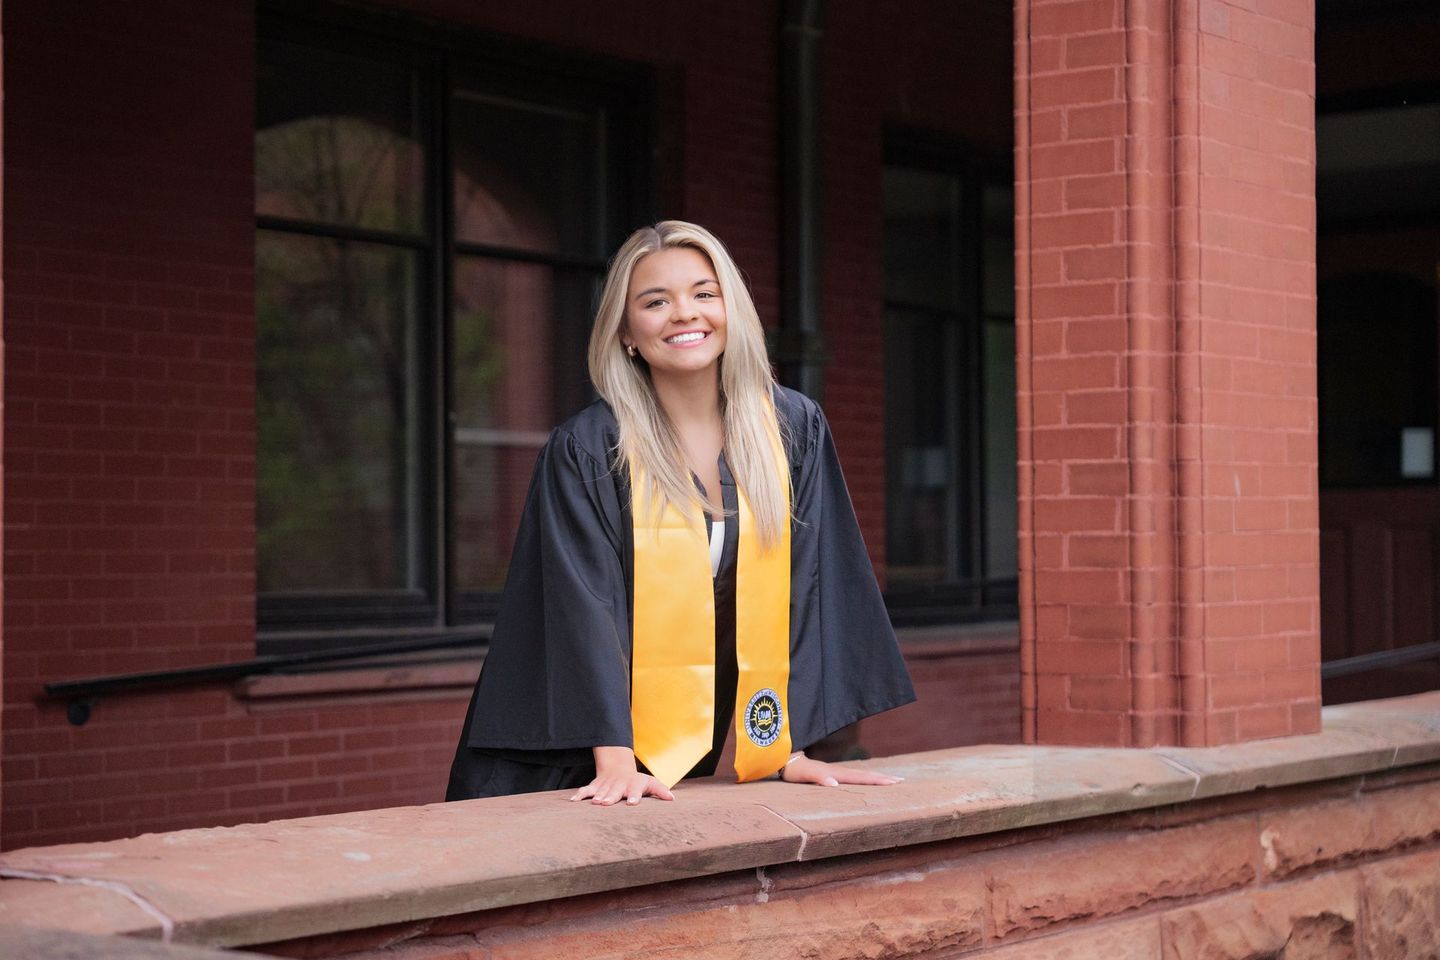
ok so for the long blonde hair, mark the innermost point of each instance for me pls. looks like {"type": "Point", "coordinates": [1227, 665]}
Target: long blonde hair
{"type": "Point", "coordinates": [647, 437]}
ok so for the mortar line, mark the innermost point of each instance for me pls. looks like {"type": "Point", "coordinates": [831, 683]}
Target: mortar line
{"type": "Point", "coordinates": [167, 925]}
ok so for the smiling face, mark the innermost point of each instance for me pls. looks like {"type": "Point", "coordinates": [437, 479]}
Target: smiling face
{"type": "Point", "coordinates": [674, 312]}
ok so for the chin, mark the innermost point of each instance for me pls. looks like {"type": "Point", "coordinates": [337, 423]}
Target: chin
{"type": "Point", "coordinates": [688, 365]}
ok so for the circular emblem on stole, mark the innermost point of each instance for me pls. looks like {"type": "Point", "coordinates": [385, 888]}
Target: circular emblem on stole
{"type": "Point", "coordinates": [763, 718]}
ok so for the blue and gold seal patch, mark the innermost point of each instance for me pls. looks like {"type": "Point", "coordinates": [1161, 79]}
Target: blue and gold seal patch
{"type": "Point", "coordinates": [763, 718]}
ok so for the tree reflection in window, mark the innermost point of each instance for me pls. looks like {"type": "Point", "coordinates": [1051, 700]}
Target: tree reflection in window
{"type": "Point", "coordinates": [339, 189]}
{"type": "Point", "coordinates": [398, 425]}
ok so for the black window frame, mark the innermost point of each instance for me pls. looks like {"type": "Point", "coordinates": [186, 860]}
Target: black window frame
{"type": "Point", "coordinates": [627, 94]}
{"type": "Point", "coordinates": [956, 599]}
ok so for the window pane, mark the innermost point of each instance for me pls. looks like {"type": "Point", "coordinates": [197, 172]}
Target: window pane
{"type": "Point", "coordinates": [1000, 454]}
{"type": "Point", "coordinates": [518, 369]}
{"type": "Point", "coordinates": [1377, 365]}
{"type": "Point", "coordinates": [527, 174]}
{"type": "Point", "coordinates": [919, 474]}
{"type": "Point", "coordinates": [337, 140]}
{"type": "Point", "coordinates": [1378, 161]}
{"type": "Point", "coordinates": [997, 278]}
{"type": "Point", "coordinates": [997, 294]}
{"type": "Point", "coordinates": [923, 253]}
{"type": "Point", "coordinates": [338, 409]}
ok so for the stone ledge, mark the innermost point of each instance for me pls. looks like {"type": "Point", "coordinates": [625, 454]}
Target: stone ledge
{"type": "Point", "coordinates": [287, 879]}
{"type": "Point", "coordinates": [456, 675]}
{"type": "Point", "coordinates": [32, 944]}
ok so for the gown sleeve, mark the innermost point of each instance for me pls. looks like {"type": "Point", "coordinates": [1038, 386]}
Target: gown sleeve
{"type": "Point", "coordinates": [845, 663]}
{"type": "Point", "coordinates": [557, 674]}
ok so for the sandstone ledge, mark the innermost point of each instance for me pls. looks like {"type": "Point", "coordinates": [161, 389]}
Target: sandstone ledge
{"type": "Point", "coordinates": [262, 883]}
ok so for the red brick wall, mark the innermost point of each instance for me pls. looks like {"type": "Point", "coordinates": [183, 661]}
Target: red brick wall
{"type": "Point", "coordinates": [1257, 423]}
{"type": "Point", "coordinates": [1168, 372]}
{"type": "Point", "coordinates": [963, 697]}
{"type": "Point", "coordinates": [129, 450]}
{"type": "Point", "coordinates": [1073, 327]}
{"type": "Point", "coordinates": [129, 375]}
{"type": "Point", "coordinates": [2, 407]}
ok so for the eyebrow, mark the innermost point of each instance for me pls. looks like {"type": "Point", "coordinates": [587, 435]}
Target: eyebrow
{"type": "Point", "coordinates": [645, 293]}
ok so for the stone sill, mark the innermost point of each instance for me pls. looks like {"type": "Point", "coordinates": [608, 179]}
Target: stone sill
{"type": "Point", "coordinates": [258, 883]}
{"type": "Point", "coordinates": [450, 677]}
{"type": "Point", "coordinates": [447, 676]}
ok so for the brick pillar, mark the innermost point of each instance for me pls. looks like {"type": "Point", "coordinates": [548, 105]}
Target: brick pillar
{"type": "Point", "coordinates": [1165, 256]}
{"type": "Point", "coordinates": [3, 146]}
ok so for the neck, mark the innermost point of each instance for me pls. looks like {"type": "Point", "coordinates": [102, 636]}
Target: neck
{"type": "Point", "coordinates": [690, 398]}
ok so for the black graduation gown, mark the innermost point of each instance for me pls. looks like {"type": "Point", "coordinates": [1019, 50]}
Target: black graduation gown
{"type": "Point", "coordinates": [556, 679]}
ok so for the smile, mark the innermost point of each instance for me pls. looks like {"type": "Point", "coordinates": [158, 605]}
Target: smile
{"type": "Point", "coordinates": [683, 338]}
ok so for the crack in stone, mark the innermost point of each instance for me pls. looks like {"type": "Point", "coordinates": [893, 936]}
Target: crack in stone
{"type": "Point", "coordinates": [804, 835]}
{"type": "Point", "coordinates": [1195, 788]}
{"type": "Point", "coordinates": [167, 925]}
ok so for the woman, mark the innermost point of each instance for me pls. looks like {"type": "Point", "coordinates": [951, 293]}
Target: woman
{"type": "Point", "coordinates": [687, 554]}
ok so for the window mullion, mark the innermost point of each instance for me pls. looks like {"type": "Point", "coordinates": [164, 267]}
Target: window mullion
{"type": "Point", "coordinates": [955, 447]}
{"type": "Point", "coordinates": [974, 413]}
{"type": "Point", "coordinates": [442, 229]}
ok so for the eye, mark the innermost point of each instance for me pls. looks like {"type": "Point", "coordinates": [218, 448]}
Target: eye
{"type": "Point", "coordinates": [653, 303]}
{"type": "Point", "coordinates": [706, 294]}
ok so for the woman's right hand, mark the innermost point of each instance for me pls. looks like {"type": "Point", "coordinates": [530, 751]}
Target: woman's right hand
{"type": "Point", "coordinates": [616, 778]}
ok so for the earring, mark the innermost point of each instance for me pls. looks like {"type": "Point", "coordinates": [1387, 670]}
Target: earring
{"type": "Point", "coordinates": [630, 349]}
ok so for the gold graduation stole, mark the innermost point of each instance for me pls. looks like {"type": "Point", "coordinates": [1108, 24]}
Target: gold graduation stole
{"type": "Point", "coordinates": [672, 694]}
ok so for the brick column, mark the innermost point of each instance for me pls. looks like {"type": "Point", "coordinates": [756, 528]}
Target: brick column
{"type": "Point", "coordinates": [1165, 234]}
{"type": "Point", "coordinates": [3, 146]}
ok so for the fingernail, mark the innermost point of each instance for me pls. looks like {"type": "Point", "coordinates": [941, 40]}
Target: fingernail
{"type": "Point", "coordinates": [830, 782]}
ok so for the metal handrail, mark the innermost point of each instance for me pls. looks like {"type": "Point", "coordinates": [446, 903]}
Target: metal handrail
{"type": "Point", "coordinates": [1380, 659]}
{"type": "Point", "coordinates": [82, 693]}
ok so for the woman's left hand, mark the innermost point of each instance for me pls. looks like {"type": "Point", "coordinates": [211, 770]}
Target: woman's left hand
{"type": "Point", "coordinates": [806, 770]}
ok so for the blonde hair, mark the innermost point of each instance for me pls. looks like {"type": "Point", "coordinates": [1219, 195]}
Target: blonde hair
{"type": "Point", "coordinates": [647, 437]}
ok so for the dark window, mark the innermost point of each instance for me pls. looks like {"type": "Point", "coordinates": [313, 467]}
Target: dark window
{"type": "Point", "coordinates": [434, 213]}
{"type": "Point", "coordinates": [1378, 202]}
{"type": "Point", "coordinates": [949, 386]}
{"type": "Point", "coordinates": [1377, 262]}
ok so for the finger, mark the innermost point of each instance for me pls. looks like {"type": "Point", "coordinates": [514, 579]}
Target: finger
{"type": "Point", "coordinates": [635, 791]}
{"type": "Point", "coordinates": [853, 775]}
{"type": "Point", "coordinates": [607, 793]}
{"type": "Point", "coordinates": [801, 771]}
{"type": "Point", "coordinates": [864, 777]}
{"type": "Point", "coordinates": [802, 774]}
{"type": "Point", "coordinates": [586, 791]}
{"type": "Point", "coordinates": [657, 789]}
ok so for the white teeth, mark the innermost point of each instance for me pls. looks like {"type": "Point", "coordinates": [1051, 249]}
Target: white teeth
{"type": "Point", "coordinates": [685, 338]}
